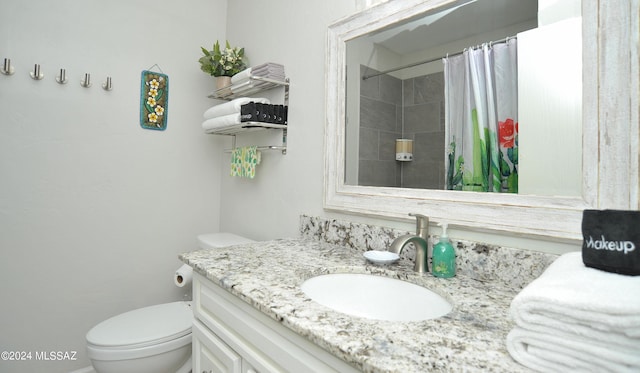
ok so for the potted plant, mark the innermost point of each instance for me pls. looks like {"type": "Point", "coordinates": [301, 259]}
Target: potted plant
{"type": "Point", "coordinates": [222, 62]}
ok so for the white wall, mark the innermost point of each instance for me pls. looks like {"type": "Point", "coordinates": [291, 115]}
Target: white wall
{"type": "Point", "coordinates": [292, 33]}
{"type": "Point", "coordinates": [93, 209]}
{"type": "Point", "coordinates": [551, 11]}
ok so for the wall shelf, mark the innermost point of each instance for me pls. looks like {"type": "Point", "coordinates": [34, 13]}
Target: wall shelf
{"type": "Point", "coordinates": [254, 84]}
{"type": "Point", "coordinates": [246, 127]}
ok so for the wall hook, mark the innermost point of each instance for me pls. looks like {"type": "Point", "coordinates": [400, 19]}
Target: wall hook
{"type": "Point", "coordinates": [107, 84]}
{"type": "Point", "coordinates": [36, 74]}
{"type": "Point", "coordinates": [62, 78]}
{"type": "Point", "coordinates": [86, 82]}
{"type": "Point", "coordinates": [7, 69]}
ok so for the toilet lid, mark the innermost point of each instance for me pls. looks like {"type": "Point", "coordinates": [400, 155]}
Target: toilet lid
{"type": "Point", "coordinates": [217, 240]}
{"type": "Point", "coordinates": [144, 326]}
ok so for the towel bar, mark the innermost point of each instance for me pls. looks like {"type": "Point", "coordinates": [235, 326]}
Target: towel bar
{"type": "Point", "coordinates": [266, 147]}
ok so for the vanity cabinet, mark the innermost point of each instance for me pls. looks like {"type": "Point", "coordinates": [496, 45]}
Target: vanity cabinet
{"type": "Point", "coordinates": [230, 336]}
{"type": "Point", "coordinates": [212, 355]}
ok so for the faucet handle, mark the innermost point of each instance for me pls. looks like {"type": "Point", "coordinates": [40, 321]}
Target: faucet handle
{"type": "Point", "coordinates": [422, 225]}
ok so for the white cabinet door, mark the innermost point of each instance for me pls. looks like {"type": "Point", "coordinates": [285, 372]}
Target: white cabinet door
{"type": "Point", "coordinates": [212, 355]}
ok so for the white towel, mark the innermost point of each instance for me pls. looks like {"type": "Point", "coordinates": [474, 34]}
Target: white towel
{"type": "Point", "coordinates": [219, 123]}
{"type": "Point", "coordinates": [242, 75]}
{"type": "Point", "coordinates": [231, 107]}
{"type": "Point", "coordinates": [560, 353]}
{"type": "Point", "coordinates": [247, 85]}
{"type": "Point", "coordinates": [573, 306]}
{"type": "Point", "coordinates": [268, 67]}
{"type": "Point", "coordinates": [568, 292]}
{"type": "Point", "coordinates": [268, 70]}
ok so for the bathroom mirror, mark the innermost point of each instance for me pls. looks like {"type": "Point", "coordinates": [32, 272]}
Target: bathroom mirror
{"type": "Point", "coordinates": [609, 176]}
{"type": "Point", "coordinates": [395, 92]}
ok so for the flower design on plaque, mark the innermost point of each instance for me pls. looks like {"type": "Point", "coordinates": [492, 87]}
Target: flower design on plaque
{"type": "Point", "coordinates": [154, 99]}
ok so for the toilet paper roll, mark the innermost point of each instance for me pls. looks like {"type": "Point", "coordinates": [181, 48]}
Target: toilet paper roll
{"type": "Point", "coordinates": [183, 276]}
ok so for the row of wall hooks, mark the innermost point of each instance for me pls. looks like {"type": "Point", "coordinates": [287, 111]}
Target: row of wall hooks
{"type": "Point", "coordinates": [61, 78]}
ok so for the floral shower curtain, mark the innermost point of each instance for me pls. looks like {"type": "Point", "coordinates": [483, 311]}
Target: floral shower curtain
{"type": "Point", "coordinates": [481, 119]}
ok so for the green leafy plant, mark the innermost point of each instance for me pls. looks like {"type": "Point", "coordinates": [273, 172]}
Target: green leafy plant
{"type": "Point", "coordinates": [222, 62]}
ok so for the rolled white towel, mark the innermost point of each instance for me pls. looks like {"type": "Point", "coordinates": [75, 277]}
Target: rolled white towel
{"type": "Point", "coordinates": [222, 122]}
{"type": "Point", "coordinates": [268, 70]}
{"type": "Point", "coordinates": [242, 75]}
{"type": "Point", "coordinates": [231, 107]}
{"type": "Point", "coordinates": [241, 86]}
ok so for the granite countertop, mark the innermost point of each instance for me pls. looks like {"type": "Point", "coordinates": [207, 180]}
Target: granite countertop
{"type": "Point", "coordinates": [268, 276]}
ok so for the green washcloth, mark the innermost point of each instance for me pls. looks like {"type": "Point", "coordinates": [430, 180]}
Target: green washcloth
{"type": "Point", "coordinates": [244, 161]}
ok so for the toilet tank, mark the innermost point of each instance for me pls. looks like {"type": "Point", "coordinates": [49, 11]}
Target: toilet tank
{"type": "Point", "coordinates": [214, 240]}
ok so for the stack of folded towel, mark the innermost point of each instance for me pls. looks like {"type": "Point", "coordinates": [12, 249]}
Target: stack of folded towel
{"type": "Point", "coordinates": [242, 81]}
{"type": "Point", "coordinates": [575, 318]}
{"type": "Point", "coordinates": [227, 115]}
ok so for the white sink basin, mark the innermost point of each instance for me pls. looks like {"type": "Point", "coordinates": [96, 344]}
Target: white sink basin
{"type": "Point", "coordinates": [376, 297]}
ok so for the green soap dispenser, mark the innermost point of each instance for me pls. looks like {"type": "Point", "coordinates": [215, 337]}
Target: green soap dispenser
{"type": "Point", "coordinates": [444, 256]}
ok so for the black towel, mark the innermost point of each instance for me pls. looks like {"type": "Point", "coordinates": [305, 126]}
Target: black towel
{"type": "Point", "coordinates": [611, 240]}
{"type": "Point", "coordinates": [248, 112]}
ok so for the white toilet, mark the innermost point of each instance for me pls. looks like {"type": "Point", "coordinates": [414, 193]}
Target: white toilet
{"type": "Point", "coordinates": [154, 339]}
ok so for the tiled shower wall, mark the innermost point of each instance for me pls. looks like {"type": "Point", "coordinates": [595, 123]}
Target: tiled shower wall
{"type": "Point", "coordinates": [391, 108]}
{"type": "Point", "coordinates": [380, 126]}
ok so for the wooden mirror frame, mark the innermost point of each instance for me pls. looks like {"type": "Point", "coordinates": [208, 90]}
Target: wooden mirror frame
{"type": "Point", "coordinates": [610, 35]}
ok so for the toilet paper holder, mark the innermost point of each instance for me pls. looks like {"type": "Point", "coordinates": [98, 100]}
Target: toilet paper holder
{"type": "Point", "coordinates": [183, 276]}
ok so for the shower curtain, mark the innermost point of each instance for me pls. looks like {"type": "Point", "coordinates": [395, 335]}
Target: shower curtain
{"type": "Point", "coordinates": [481, 119]}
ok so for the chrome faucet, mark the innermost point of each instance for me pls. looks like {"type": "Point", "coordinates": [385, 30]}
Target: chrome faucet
{"type": "Point", "coordinates": [420, 241]}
